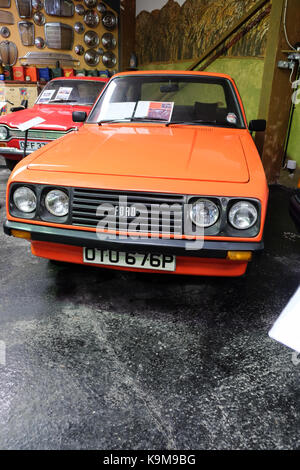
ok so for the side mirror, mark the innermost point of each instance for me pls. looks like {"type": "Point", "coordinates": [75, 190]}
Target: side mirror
{"type": "Point", "coordinates": [257, 125]}
{"type": "Point", "coordinates": [79, 116]}
{"type": "Point", "coordinates": [16, 108]}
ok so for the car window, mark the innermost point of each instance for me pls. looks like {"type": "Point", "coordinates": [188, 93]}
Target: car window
{"type": "Point", "coordinates": [197, 99]}
{"type": "Point", "coordinates": [80, 92]}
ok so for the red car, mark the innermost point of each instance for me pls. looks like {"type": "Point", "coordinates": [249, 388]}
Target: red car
{"type": "Point", "coordinates": [55, 104]}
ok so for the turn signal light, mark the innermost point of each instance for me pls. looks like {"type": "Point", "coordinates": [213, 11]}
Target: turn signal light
{"type": "Point", "coordinates": [239, 255]}
{"type": "Point", "coordinates": [21, 234]}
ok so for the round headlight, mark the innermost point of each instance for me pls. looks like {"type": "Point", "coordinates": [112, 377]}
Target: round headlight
{"type": "Point", "coordinates": [3, 133]}
{"type": "Point", "coordinates": [57, 202]}
{"type": "Point", "coordinates": [243, 215]}
{"type": "Point", "coordinates": [24, 199]}
{"type": "Point", "coordinates": [204, 213]}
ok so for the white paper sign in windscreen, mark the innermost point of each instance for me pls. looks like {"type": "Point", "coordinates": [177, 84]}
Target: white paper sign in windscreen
{"type": "Point", "coordinates": [120, 110]}
{"type": "Point", "coordinates": [63, 93]}
{"type": "Point", "coordinates": [46, 96]}
{"type": "Point", "coordinates": [286, 329]}
{"type": "Point", "coordinates": [157, 110]}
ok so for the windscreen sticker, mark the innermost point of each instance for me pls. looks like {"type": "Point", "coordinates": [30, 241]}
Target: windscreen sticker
{"type": "Point", "coordinates": [63, 93]}
{"type": "Point", "coordinates": [46, 96]}
{"type": "Point", "coordinates": [155, 110]}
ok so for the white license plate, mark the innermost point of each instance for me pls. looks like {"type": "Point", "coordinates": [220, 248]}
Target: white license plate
{"type": "Point", "coordinates": [32, 145]}
{"type": "Point", "coordinates": [129, 260]}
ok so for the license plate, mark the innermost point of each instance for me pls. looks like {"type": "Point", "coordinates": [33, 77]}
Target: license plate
{"type": "Point", "coordinates": [32, 145]}
{"type": "Point", "coordinates": [130, 260]}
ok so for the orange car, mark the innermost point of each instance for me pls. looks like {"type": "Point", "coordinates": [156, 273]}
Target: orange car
{"type": "Point", "coordinates": [163, 176]}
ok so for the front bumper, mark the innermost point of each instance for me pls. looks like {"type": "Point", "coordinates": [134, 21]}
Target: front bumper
{"type": "Point", "coordinates": [67, 245]}
{"type": "Point", "coordinates": [13, 151]}
{"type": "Point", "coordinates": [83, 238]}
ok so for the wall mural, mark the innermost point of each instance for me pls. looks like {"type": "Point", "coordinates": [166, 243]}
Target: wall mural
{"type": "Point", "coordinates": [182, 30]}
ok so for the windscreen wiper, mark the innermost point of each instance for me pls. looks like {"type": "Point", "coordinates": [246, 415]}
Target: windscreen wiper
{"type": "Point", "coordinates": [132, 119]}
{"type": "Point", "coordinates": [190, 123]}
{"type": "Point", "coordinates": [62, 101]}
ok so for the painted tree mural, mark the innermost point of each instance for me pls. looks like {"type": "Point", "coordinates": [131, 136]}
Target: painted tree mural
{"type": "Point", "coordinates": [178, 33]}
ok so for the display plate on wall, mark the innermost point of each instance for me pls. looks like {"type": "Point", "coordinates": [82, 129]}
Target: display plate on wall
{"type": "Point", "coordinates": [6, 17]}
{"type": "Point", "coordinates": [37, 4]}
{"type": "Point", "coordinates": [80, 9]}
{"type": "Point", "coordinates": [78, 27]}
{"type": "Point", "coordinates": [91, 39]}
{"type": "Point", "coordinates": [59, 36]}
{"type": "Point", "coordinates": [91, 57]}
{"type": "Point", "coordinates": [39, 18]}
{"type": "Point", "coordinates": [24, 8]}
{"type": "Point", "coordinates": [5, 32]}
{"type": "Point", "coordinates": [4, 3]}
{"type": "Point", "coordinates": [26, 31]}
{"type": "Point", "coordinates": [109, 20]}
{"type": "Point", "coordinates": [8, 52]}
{"type": "Point", "coordinates": [39, 42]}
{"type": "Point", "coordinates": [79, 49]}
{"type": "Point", "coordinates": [109, 41]}
{"type": "Point", "coordinates": [101, 7]}
{"type": "Point", "coordinates": [91, 19]}
{"type": "Point", "coordinates": [64, 8]}
{"type": "Point", "coordinates": [109, 59]}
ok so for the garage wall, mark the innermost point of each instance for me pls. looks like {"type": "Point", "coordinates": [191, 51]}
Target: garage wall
{"type": "Point", "coordinates": [39, 31]}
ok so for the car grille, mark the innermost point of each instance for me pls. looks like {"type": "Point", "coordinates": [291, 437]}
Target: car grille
{"type": "Point", "coordinates": [154, 218]}
{"type": "Point", "coordinates": [37, 134]}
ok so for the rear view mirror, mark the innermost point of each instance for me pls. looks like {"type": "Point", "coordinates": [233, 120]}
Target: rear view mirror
{"type": "Point", "coordinates": [257, 125]}
{"type": "Point", "coordinates": [170, 88]}
{"type": "Point", "coordinates": [79, 116]}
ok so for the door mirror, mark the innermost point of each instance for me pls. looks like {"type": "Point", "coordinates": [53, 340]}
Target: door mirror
{"type": "Point", "coordinates": [79, 116]}
{"type": "Point", "coordinates": [257, 125]}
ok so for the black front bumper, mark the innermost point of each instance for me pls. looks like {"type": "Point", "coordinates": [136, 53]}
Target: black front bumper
{"type": "Point", "coordinates": [83, 238]}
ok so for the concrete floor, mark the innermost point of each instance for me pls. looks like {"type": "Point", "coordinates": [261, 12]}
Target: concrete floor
{"type": "Point", "coordinates": [99, 359]}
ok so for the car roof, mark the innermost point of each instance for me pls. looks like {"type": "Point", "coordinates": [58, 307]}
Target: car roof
{"type": "Point", "coordinates": [98, 79]}
{"type": "Point", "coordinates": [175, 72]}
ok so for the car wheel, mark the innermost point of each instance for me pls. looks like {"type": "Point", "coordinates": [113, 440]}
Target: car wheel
{"type": "Point", "coordinates": [10, 163]}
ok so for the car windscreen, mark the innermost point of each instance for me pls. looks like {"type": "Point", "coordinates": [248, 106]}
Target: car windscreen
{"type": "Point", "coordinates": [205, 100]}
{"type": "Point", "coordinates": [79, 92]}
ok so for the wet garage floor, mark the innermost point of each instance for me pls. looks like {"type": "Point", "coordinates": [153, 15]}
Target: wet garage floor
{"type": "Point", "coordinates": [99, 359]}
